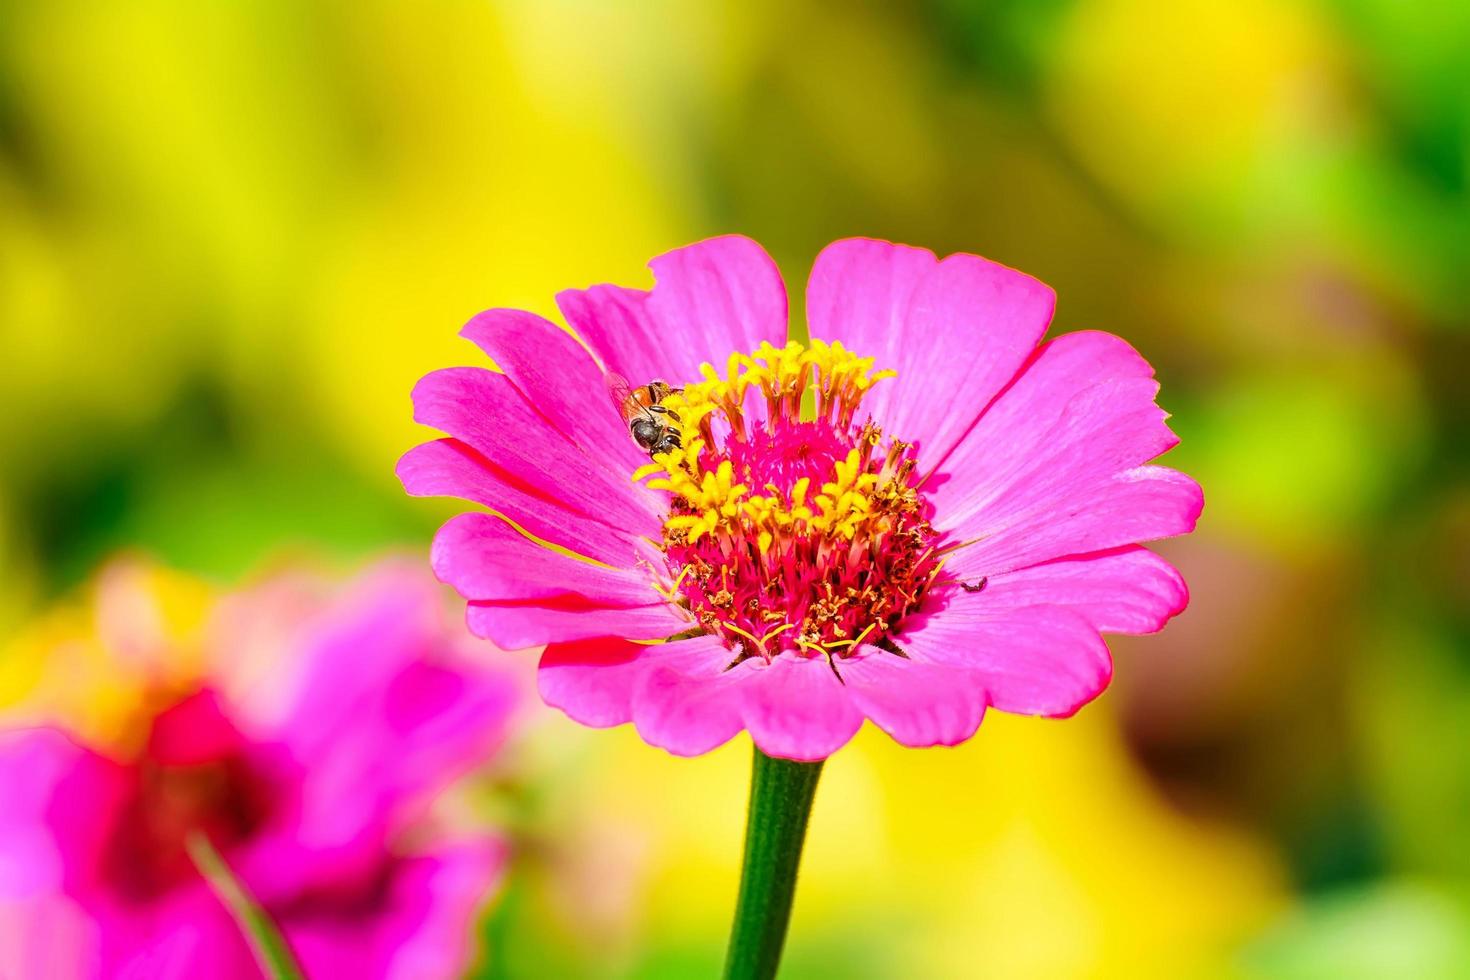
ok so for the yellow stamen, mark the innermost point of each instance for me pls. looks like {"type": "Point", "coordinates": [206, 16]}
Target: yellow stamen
{"type": "Point", "coordinates": [783, 374]}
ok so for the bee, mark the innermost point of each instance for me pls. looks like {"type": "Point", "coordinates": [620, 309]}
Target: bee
{"type": "Point", "coordinates": [653, 425]}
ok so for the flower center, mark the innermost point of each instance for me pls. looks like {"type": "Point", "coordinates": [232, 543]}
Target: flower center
{"type": "Point", "coordinates": [792, 527]}
{"type": "Point", "coordinates": [193, 776]}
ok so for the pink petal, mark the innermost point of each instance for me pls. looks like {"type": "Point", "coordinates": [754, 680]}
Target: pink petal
{"type": "Point", "coordinates": [1141, 504]}
{"type": "Point", "coordinates": [449, 468]}
{"type": "Point", "coordinates": [682, 699]}
{"type": "Point", "coordinates": [956, 331]}
{"type": "Point", "coordinates": [860, 291]}
{"type": "Point", "coordinates": [677, 694]}
{"type": "Point", "coordinates": [1055, 463]}
{"type": "Point", "coordinates": [486, 411]}
{"type": "Point", "coordinates": [385, 710]}
{"type": "Point", "coordinates": [1126, 590]}
{"type": "Point", "coordinates": [1035, 660]}
{"type": "Point", "coordinates": [919, 704]}
{"type": "Point", "coordinates": [1073, 387]}
{"type": "Point", "coordinates": [592, 681]}
{"type": "Point", "coordinates": [710, 299]}
{"type": "Point", "coordinates": [484, 558]}
{"type": "Point", "coordinates": [685, 702]}
{"type": "Point", "coordinates": [520, 626]}
{"type": "Point", "coordinates": [560, 378]}
{"type": "Point", "coordinates": [796, 709]}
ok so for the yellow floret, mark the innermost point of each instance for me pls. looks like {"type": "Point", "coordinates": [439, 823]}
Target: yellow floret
{"type": "Point", "coordinates": [712, 500]}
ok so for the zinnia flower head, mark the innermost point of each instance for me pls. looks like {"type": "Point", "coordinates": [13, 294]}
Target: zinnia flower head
{"type": "Point", "coordinates": [307, 750]}
{"type": "Point", "coordinates": [921, 512]}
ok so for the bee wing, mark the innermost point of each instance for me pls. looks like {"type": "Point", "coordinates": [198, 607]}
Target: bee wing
{"type": "Point", "coordinates": [619, 391]}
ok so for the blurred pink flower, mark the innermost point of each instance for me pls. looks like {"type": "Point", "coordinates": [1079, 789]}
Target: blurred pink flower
{"type": "Point", "coordinates": [309, 753]}
{"type": "Point", "coordinates": [823, 541]}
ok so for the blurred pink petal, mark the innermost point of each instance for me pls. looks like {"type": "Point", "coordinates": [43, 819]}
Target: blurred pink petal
{"type": "Point", "coordinates": [306, 770]}
{"type": "Point", "coordinates": [415, 924]}
{"type": "Point", "coordinates": [48, 935]}
{"type": "Point", "coordinates": [58, 797]}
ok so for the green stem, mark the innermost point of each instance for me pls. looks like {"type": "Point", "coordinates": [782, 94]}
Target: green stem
{"type": "Point", "coordinates": [261, 934]}
{"type": "Point", "coordinates": [781, 794]}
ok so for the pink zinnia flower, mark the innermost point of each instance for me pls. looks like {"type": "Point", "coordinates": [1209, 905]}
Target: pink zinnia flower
{"type": "Point", "coordinates": [924, 512]}
{"type": "Point", "coordinates": [308, 754]}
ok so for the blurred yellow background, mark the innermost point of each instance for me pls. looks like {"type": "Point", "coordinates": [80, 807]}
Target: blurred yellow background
{"type": "Point", "coordinates": [232, 236]}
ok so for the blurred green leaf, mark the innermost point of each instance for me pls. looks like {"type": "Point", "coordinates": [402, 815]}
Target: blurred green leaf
{"type": "Point", "coordinates": [1400, 930]}
{"type": "Point", "coordinates": [264, 939]}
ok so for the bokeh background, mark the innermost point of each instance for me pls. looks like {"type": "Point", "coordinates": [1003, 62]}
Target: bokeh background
{"type": "Point", "coordinates": [233, 235]}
